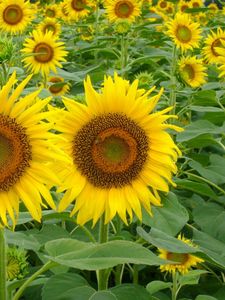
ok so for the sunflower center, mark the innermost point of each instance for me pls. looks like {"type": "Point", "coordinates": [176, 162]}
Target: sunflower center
{"type": "Point", "coordinates": [177, 257]}
{"type": "Point", "coordinates": [188, 72]}
{"type": "Point", "coordinates": [183, 34]}
{"type": "Point", "coordinates": [15, 152]}
{"type": "Point", "coordinates": [13, 14]}
{"type": "Point", "coordinates": [216, 43]}
{"type": "Point", "coordinates": [49, 27]}
{"type": "Point", "coordinates": [78, 5]}
{"type": "Point", "coordinates": [163, 4]}
{"type": "Point", "coordinates": [195, 4]}
{"type": "Point", "coordinates": [50, 13]}
{"type": "Point", "coordinates": [110, 150]}
{"type": "Point", "coordinates": [43, 53]}
{"type": "Point", "coordinates": [124, 9]}
{"type": "Point", "coordinates": [55, 88]}
{"type": "Point", "coordinates": [184, 7]}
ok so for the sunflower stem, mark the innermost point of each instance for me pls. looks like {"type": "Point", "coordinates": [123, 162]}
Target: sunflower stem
{"type": "Point", "coordinates": [172, 98]}
{"type": "Point", "coordinates": [3, 269]}
{"type": "Point", "coordinates": [123, 55]}
{"type": "Point", "coordinates": [103, 238]}
{"type": "Point", "coordinates": [43, 269]}
{"type": "Point", "coordinates": [175, 287]}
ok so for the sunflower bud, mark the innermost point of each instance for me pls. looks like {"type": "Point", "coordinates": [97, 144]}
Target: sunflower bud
{"type": "Point", "coordinates": [6, 49]}
{"type": "Point", "coordinates": [17, 265]}
{"type": "Point", "coordinates": [122, 26]}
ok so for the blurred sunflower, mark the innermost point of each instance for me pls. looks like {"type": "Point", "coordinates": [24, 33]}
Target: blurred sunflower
{"type": "Point", "coordinates": [192, 71]}
{"type": "Point", "coordinates": [183, 5]}
{"type": "Point", "coordinates": [196, 3]}
{"type": "Point", "coordinates": [50, 24]}
{"type": "Point", "coordinates": [78, 9]}
{"type": "Point", "coordinates": [51, 11]}
{"type": "Point", "coordinates": [120, 153]}
{"type": "Point", "coordinates": [15, 15]}
{"type": "Point", "coordinates": [123, 9]}
{"type": "Point", "coordinates": [184, 32]}
{"type": "Point", "coordinates": [213, 41]}
{"type": "Point", "coordinates": [185, 261]}
{"type": "Point", "coordinates": [63, 12]}
{"type": "Point", "coordinates": [43, 52]}
{"type": "Point", "coordinates": [58, 87]}
{"type": "Point", "coordinates": [25, 149]}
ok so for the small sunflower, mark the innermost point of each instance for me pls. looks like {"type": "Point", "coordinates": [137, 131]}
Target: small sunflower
{"type": "Point", "coordinates": [196, 3]}
{"type": "Point", "coordinates": [183, 6]}
{"type": "Point", "coordinates": [25, 150]}
{"type": "Point", "coordinates": [192, 71]}
{"type": "Point", "coordinates": [17, 265]}
{"type": "Point", "coordinates": [63, 12]}
{"type": "Point", "coordinates": [15, 15]}
{"type": "Point", "coordinates": [162, 5]}
{"type": "Point", "coordinates": [50, 24]}
{"type": "Point", "coordinates": [58, 87]}
{"type": "Point", "coordinates": [43, 52]}
{"type": "Point", "coordinates": [120, 153]}
{"type": "Point", "coordinates": [184, 32]}
{"type": "Point", "coordinates": [213, 41]}
{"type": "Point", "coordinates": [185, 261]}
{"type": "Point", "coordinates": [51, 11]}
{"type": "Point", "coordinates": [123, 9]}
{"type": "Point", "coordinates": [78, 9]}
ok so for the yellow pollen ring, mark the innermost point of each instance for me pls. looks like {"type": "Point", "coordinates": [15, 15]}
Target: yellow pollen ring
{"type": "Point", "coordinates": [43, 53]}
{"type": "Point", "coordinates": [123, 9]}
{"type": "Point", "coordinates": [13, 14]}
{"type": "Point", "coordinates": [114, 150]}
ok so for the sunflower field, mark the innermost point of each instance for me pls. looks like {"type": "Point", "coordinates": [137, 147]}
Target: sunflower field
{"type": "Point", "coordinates": [112, 161]}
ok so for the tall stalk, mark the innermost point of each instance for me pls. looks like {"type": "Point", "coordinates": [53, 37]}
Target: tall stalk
{"type": "Point", "coordinates": [173, 86]}
{"type": "Point", "coordinates": [102, 275]}
{"type": "Point", "coordinates": [3, 274]}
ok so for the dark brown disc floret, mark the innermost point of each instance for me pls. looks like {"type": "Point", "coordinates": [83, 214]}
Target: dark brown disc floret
{"type": "Point", "coordinates": [15, 152]}
{"type": "Point", "coordinates": [110, 150]}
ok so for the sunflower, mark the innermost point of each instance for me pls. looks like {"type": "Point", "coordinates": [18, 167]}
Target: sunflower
{"type": "Point", "coordinates": [58, 87]}
{"type": "Point", "coordinates": [184, 32]}
{"type": "Point", "coordinates": [123, 9]}
{"type": "Point", "coordinates": [78, 9]}
{"type": "Point", "coordinates": [25, 150]}
{"type": "Point", "coordinates": [213, 41]}
{"type": "Point", "coordinates": [50, 24]}
{"type": "Point", "coordinates": [117, 150]}
{"type": "Point", "coordinates": [183, 5]}
{"type": "Point", "coordinates": [185, 261]}
{"type": "Point", "coordinates": [51, 11]}
{"type": "Point", "coordinates": [63, 12]}
{"type": "Point", "coordinates": [43, 52]}
{"type": "Point", "coordinates": [192, 71]}
{"type": "Point", "coordinates": [196, 3]}
{"type": "Point", "coordinates": [15, 15]}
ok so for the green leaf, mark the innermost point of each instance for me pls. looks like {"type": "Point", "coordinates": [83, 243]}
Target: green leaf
{"type": "Point", "coordinates": [130, 292]}
{"type": "Point", "coordinates": [66, 287]}
{"type": "Point", "coordinates": [205, 108]}
{"type": "Point", "coordinates": [169, 218]}
{"type": "Point", "coordinates": [155, 286]}
{"type": "Point", "coordinates": [212, 247]}
{"type": "Point", "coordinates": [205, 297]}
{"type": "Point", "coordinates": [164, 241]}
{"type": "Point", "coordinates": [192, 277]}
{"type": "Point", "coordinates": [197, 128]}
{"type": "Point", "coordinates": [198, 188]}
{"type": "Point", "coordinates": [90, 256]}
{"type": "Point", "coordinates": [22, 240]}
{"type": "Point", "coordinates": [205, 98]}
{"type": "Point", "coordinates": [103, 295]}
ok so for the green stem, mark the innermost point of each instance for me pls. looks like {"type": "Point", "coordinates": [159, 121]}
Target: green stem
{"type": "Point", "coordinates": [124, 54]}
{"type": "Point", "coordinates": [3, 274]}
{"type": "Point", "coordinates": [175, 285]}
{"type": "Point", "coordinates": [88, 233]}
{"type": "Point", "coordinates": [43, 269]}
{"type": "Point", "coordinates": [103, 238]}
{"type": "Point", "coordinates": [205, 180]}
{"type": "Point", "coordinates": [172, 98]}
{"type": "Point", "coordinates": [135, 274]}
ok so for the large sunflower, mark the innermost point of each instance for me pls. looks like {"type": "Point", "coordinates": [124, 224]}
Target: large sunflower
{"type": "Point", "coordinates": [25, 149]}
{"type": "Point", "coordinates": [185, 261]}
{"type": "Point", "coordinates": [78, 9]}
{"type": "Point", "coordinates": [15, 15]}
{"type": "Point", "coordinates": [50, 24]}
{"type": "Point", "coordinates": [184, 32]}
{"type": "Point", "coordinates": [120, 154]}
{"type": "Point", "coordinates": [212, 41]}
{"type": "Point", "coordinates": [192, 71]}
{"type": "Point", "coordinates": [123, 9]}
{"type": "Point", "coordinates": [43, 52]}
